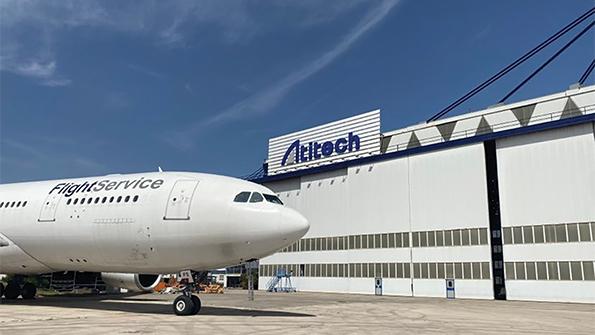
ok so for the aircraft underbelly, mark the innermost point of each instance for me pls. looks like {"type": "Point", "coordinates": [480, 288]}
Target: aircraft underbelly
{"type": "Point", "coordinates": [14, 260]}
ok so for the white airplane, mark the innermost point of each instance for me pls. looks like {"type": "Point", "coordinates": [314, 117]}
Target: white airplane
{"type": "Point", "coordinates": [132, 228]}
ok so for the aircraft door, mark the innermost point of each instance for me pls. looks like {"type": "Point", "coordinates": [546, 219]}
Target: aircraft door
{"type": "Point", "coordinates": [180, 199]}
{"type": "Point", "coordinates": [48, 209]}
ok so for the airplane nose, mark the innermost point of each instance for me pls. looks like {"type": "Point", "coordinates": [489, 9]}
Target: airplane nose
{"type": "Point", "coordinates": [294, 223]}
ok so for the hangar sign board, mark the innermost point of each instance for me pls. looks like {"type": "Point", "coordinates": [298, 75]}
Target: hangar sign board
{"type": "Point", "coordinates": [354, 137]}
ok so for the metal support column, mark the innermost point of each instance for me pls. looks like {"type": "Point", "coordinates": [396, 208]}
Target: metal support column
{"type": "Point", "coordinates": [491, 163]}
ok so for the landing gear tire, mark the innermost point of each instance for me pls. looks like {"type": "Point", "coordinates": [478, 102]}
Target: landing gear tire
{"type": "Point", "coordinates": [12, 291]}
{"type": "Point", "coordinates": [197, 304]}
{"type": "Point", "coordinates": [1, 290]}
{"type": "Point", "coordinates": [28, 291]}
{"type": "Point", "coordinates": [183, 305]}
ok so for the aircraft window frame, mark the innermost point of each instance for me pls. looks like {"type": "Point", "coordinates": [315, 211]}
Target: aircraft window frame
{"type": "Point", "coordinates": [240, 197]}
{"type": "Point", "coordinates": [82, 201]}
{"type": "Point", "coordinates": [119, 199]}
{"type": "Point", "coordinates": [12, 205]}
{"type": "Point", "coordinates": [127, 198]}
{"type": "Point", "coordinates": [104, 200]}
{"type": "Point", "coordinates": [254, 197]}
{"type": "Point", "coordinates": [111, 199]}
{"type": "Point", "coordinates": [76, 200]}
{"type": "Point", "coordinates": [68, 201]}
{"type": "Point", "coordinates": [19, 204]}
{"type": "Point", "coordinates": [89, 200]}
{"type": "Point", "coordinates": [1, 204]}
{"type": "Point", "coordinates": [272, 199]}
{"type": "Point", "coordinates": [24, 203]}
{"type": "Point", "coordinates": [135, 199]}
{"type": "Point", "coordinates": [96, 200]}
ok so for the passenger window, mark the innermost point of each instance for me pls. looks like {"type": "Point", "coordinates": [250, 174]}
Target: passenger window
{"type": "Point", "coordinates": [127, 198]}
{"type": "Point", "coordinates": [135, 199]}
{"type": "Point", "coordinates": [19, 204]}
{"type": "Point", "coordinates": [119, 199]}
{"type": "Point", "coordinates": [12, 205]}
{"type": "Point", "coordinates": [111, 199]}
{"type": "Point", "coordinates": [75, 201]}
{"type": "Point", "coordinates": [273, 198]}
{"type": "Point", "coordinates": [89, 201]}
{"type": "Point", "coordinates": [24, 203]}
{"type": "Point", "coordinates": [104, 200]}
{"type": "Point", "coordinates": [1, 204]}
{"type": "Point", "coordinates": [242, 197]}
{"type": "Point", "coordinates": [97, 200]}
{"type": "Point", "coordinates": [68, 201]}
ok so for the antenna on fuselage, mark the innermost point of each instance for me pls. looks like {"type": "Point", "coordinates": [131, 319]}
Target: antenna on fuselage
{"type": "Point", "coordinates": [159, 168]}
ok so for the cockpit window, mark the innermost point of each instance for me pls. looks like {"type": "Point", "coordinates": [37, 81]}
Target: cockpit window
{"type": "Point", "coordinates": [256, 197]}
{"type": "Point", "coordinates": [273, 198]}
{"type": "Point", "coordinates": [242, 197]}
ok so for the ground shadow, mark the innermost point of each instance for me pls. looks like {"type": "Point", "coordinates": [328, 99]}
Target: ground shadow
{"type": "Point", "coordinates": [145, 306]}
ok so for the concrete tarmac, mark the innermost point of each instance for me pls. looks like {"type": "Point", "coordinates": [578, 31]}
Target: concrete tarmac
{"type": "Point", "coordinates": [292, 313]}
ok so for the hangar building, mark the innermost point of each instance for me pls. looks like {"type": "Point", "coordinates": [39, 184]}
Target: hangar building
{"type": "Point", "coordinates": [501, 200]}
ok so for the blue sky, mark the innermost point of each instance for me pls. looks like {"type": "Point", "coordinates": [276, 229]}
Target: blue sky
{"type": "Point", "coordinates": [97, 87]}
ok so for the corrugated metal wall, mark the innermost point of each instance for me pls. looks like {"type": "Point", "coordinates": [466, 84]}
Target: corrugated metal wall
{"type": "Point", "coordinates": [547, 194]}
{"type": "Point", "coordinates": [425, 197]}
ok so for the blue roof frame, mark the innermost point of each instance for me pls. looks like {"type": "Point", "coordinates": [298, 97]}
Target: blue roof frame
{"type": "Point", "coordinates": [431, 147]}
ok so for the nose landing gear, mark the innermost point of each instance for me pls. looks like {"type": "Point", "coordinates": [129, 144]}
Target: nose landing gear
{"type": "Point", "coordinates": [187, 303]}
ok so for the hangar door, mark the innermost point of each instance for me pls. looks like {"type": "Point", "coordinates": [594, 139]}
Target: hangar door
{"type": "Point", "coordinates": [48, 209]}
{"type": "Point", "coordinates": [180, 199]}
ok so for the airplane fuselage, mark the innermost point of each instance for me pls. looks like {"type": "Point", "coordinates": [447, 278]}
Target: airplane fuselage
{"type": "Point", "coordinates": [139, 223]}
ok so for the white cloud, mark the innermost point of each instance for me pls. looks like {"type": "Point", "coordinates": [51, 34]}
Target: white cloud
{"type": "Point", "coordinates": [266, 100]}
{"type": "Point", "coordinates": [36, 69]}
{"type": "Point", "coordinates": [30, 28]}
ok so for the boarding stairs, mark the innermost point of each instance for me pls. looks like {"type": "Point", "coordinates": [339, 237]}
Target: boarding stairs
{"type": "Point", "coordinates": [281, 282]}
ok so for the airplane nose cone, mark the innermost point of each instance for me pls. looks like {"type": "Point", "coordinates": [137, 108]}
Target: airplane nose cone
{"type": "Point", "coordinates": [294, 223]}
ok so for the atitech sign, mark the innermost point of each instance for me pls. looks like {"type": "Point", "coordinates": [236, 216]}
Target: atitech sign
{"type": "Point", "coordinates": [350, 138]}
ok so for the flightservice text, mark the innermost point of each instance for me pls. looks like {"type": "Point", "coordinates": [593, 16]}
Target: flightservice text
{"type": "Point", "coordinates": [69, 189]}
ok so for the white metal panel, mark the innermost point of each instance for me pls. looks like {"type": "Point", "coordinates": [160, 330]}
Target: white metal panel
{"type": "Point", "coordinates": [399, 255]}
{"type": "Point", "coordinates": [466, 128]}
{"type": "Point", "coordinates": [378, 198]}
{"type": "Point", "coordinates": [366, 126]}
{"type": "Point", "coordinates": [324, 202]}
{"type": "Point", "coordinates": [398, 142]}
{"type": "Point", "coordinates": [448, 189]}
{"type": "Point", "coordinates": [576, 251]}
{"type": "Point", "coordinates": [554, 290]}
{"type": "Point", "coordinates": [585, 100]}
{"type": "Point", "coordinates": [180, 199]}
{"type": "Point", "coordinates": [543, 111]}
{"type": "Point", "coordinates": [502, 120]}
{"type": "Point", "coordinates": [474, 253]}
{"type": "Point", "coordinates": [428, 135]}
{"type": "Point", "coordinates": [464, 288]}
{"type": "Point", "coordinates": [288, 191]}
{"type": "Point", "coordinates": [547, 177]}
